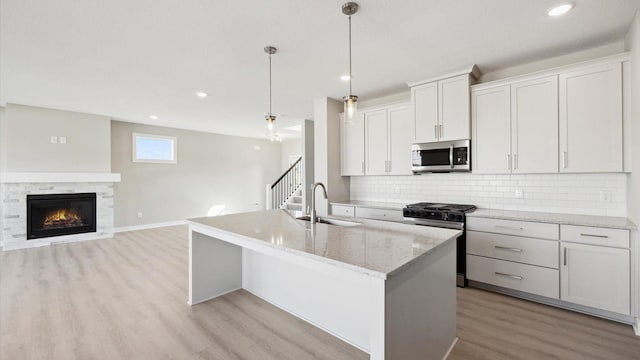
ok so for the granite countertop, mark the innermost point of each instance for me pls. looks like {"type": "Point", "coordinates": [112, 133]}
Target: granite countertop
{"type": "Point", "coordinates": [371, 204]}
{"type": "Point", "coordinates": [556, 218]}
{"type": "Point", "coordinates": [377, 248]}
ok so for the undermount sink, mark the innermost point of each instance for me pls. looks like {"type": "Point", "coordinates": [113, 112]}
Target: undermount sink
{"type": "Point", "coordinates": [330, 221]}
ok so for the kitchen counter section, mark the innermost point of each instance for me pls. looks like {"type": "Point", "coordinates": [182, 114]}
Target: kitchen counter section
{"type": "Point", "coordinates": [386, 288]}
{"type": "Point", "coordinates": [375, 248]}
{"type": "Point", "coordinates": [556, 218]}
{"type": "Point", "coordinates": [370, 204]}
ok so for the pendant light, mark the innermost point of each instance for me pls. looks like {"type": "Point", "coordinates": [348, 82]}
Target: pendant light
{"type": "Point", "coordinates": [270, 50]}
{"type": "Point", "coordinates": [350, 101]}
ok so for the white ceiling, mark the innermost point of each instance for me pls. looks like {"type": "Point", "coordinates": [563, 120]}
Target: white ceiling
{"type": "Point", "coordinates": [129, 59]}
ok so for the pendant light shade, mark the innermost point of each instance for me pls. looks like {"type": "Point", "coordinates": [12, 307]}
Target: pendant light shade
{"type": "Point", "coordinates": [270, 50]}
{"type": "Point", "coordinates": [350, 101]}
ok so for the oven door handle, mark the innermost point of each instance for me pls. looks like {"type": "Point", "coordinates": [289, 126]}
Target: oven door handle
{"type": "Point", "coordinates": [451, 155]}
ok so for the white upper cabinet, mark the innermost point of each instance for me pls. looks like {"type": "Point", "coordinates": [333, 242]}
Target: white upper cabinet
{"type": "Point", "coordinates": [352, 145]}
{"type": "Point", "coordinates": [491, 143]}
{"type": "Point", "coordinates": [591, 119]}
{"type": "Point", "coordinates": [425, 106]}
{"type": "Point", "coordinates": [400, 140]}
{"type": "Point", "coordinates": [453, 109]}
{"type": "Point", "coordinates": [534, 126]}
{"type": "Point", "coordinates": [441, 108]}
{"type": "Point", "coordinates": [376, 142]}
{"type": "Point", "coordinates": [566, 120]}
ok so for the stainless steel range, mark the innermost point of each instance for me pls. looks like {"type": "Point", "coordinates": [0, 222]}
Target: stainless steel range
{"type": "Point", "coordinates": [450, 216]}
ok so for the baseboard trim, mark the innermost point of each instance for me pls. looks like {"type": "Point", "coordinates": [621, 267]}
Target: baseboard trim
{"type": "Point", "coordinates": [453, 344]}
{"type": "Point", "coordinates": [636, 326]}
{"type": "Point", "coordinates": [148, 226]}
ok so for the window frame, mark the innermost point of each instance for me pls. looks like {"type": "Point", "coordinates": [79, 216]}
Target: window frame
{"type": "Point", "coordinates": [174, 148]}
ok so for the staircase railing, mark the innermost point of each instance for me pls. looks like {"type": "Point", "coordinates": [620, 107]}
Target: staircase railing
{"type": "Point", "coordinates": [287, 184]}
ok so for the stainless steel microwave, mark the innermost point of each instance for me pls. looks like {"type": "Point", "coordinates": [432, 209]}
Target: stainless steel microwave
{"type": "Point", "coordinates": [444, 156]}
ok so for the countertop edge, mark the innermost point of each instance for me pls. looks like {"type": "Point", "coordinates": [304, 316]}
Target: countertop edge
{"type": "Point", "coordinates": [553, 218]}
{"type": "Point", "coordinates": [372, 205]}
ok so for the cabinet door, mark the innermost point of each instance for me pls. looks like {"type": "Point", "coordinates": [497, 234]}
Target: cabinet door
{"type": "Point", "coordinates": [534, 126]}
{"type": "Point", "coordinates": [591, 119]}
{"type": "Point", "coordinates": [491, 143]}
{"type": "Point", "coordinates": [376, 142]}
{"type": "Point", "coordinates": [425, 107]}
{"type": "Point", "coordinates": [453, 108]}
{"type": "Point", "coordinates": [595, 276]}
{"type": "Point", "coordinates": [352, 143]}
{"type": "Point", "coordinates": [400, 139]}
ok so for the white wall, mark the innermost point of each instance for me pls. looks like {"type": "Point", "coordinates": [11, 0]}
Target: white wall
{"type": "Point", "coordinates": [212, 170]}
{"type": "Point", "coordinates": [291, 147]}
{"type": "Point", "coordinates": [326, 119]}
{"type": "Point", "coordinates": [27, 147]}
{"type": "Point", "coordinates": [561, 193]}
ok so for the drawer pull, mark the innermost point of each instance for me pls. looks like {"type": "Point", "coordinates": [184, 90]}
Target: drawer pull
{"type": "Point", "coordinates": [565, 256]}
{"type": "Point", "coordinates": [508, 227]}
{"type": "Point", "coordinates": [595, 236]}
{"type": "Point", "coordinates": [507, 248]}
{"type": "Point", "coordinates": [509, 275]}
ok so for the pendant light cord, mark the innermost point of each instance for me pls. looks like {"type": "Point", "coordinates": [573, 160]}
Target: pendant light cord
{"type": "Point", "coordinates": [350, 76]}
{"type": "Point", "coordinates": [269, 84]}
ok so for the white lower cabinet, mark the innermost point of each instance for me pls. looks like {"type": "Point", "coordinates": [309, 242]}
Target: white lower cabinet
{"type": "Point", "coordinates": [596, 276]}
{"type": "Point", "coordinates": [580, 266]}
{"type": "Point", "coordinates": [379, 214]}
{"type": "Point", "coordinates": [522, 277]}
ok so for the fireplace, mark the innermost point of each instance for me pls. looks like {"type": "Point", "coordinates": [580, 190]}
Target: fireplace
{"type": "Point", "coordinates": [60, 214]}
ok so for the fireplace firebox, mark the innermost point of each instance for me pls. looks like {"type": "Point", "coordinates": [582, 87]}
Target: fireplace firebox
{"type": "Point", "coordinates": [60, 214]}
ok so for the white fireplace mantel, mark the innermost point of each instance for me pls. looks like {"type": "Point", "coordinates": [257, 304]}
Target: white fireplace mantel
{"type": "Point", "coordinates": [57, 177]}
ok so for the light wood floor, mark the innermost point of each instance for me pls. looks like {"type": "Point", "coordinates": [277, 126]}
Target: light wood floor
{"type": "Point", "coordinates": [125, 298]}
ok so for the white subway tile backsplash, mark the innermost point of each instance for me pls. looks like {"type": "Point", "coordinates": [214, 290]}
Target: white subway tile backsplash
{"type": "Point", "coordinates": [559, 193]}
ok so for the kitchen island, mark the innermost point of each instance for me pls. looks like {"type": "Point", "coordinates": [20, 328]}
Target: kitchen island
{"type": "Point", "coordinates": [386, 288]}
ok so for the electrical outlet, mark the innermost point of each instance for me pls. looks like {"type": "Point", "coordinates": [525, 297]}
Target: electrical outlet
{"type": "Point", "coordinates": [63, 139]}
{"type": "Point", "coordinates": [519, 194]}
{"type": "Point", "coordinates": [139, 215]}
{"type": "Point", "coordinates": [54, 139]}
{"type": "Point", "coordinates": [605, 195]}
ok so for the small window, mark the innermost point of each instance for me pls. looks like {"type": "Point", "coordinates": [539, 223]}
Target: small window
{"type": "Point", "coordinates": [154, 149]}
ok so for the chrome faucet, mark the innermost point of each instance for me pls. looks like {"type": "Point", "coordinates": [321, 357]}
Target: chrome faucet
{"type": "Point", "coordinates": [313, 216]}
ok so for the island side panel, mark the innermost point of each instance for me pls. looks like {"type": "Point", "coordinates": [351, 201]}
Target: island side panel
{"type": "Point", "coordinates": [337, 300]}
{"type": "Point", "coordinates": [420, 307]}
{"type": "Point", "coordinates": [215, 267]}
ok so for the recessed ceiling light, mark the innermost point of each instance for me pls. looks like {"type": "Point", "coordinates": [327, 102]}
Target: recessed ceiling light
{"type": "Point", "coordinates": [560, 9]}
{"type": "Point", "coordinates": [202, 94]}
{"type": "Point", "coordinates": [153, 117]}
{"type": "Point", "coordinates": [345, 77]}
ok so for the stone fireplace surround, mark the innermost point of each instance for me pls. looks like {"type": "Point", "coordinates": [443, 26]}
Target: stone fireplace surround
{"type": "Point", "coordinates": [14, 188]}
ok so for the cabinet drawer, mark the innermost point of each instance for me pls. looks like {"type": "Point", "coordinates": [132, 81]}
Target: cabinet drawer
{"type": "Point", "coordinates": [528, 278]}
{"type": "Point", "coordinates": [511, 227]}
{"type": "Point", "coordinates": [514, 248]}
{"type": "Point", "coordinates": [342, 210]}
{"type": "Point", "coordinates": [595, 235]}
{"type": "Point", "coordinates": [379, 214]}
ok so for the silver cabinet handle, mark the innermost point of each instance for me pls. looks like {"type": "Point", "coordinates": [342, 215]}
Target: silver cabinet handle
{"type": "Point", "coordinates": [515, 161]}
{"type": "Point", "coordinates": [595, 236]}
{"type": "Point", "coordinates": [507, 248]}
{"type": "Point", "coordinates": [435, 131]}
{"type": "Point", "coordinates": [564, 159]}
{"type": "Point", "coordinates": [508, 161]}
{"type": "Point", "coordinates": [565, 256]}
{"type": "Point", "coordinates": [451, 155]}
{"type": "Point", "coordinates": [508, 227]}
{"type": "Point", "coordinates": [441, 131]}
{"type": "Point", "coordinates": [509, 275]}
{"type": "Point", "coordinates": [389, 166]}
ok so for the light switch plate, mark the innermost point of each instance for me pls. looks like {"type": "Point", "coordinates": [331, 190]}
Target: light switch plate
{"type": "Point", "coordinates": [54, 139]}
{"type": "Point", "coordinates": [519, 194]}
{"type": "Point", "coordinates": [63, 139]}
